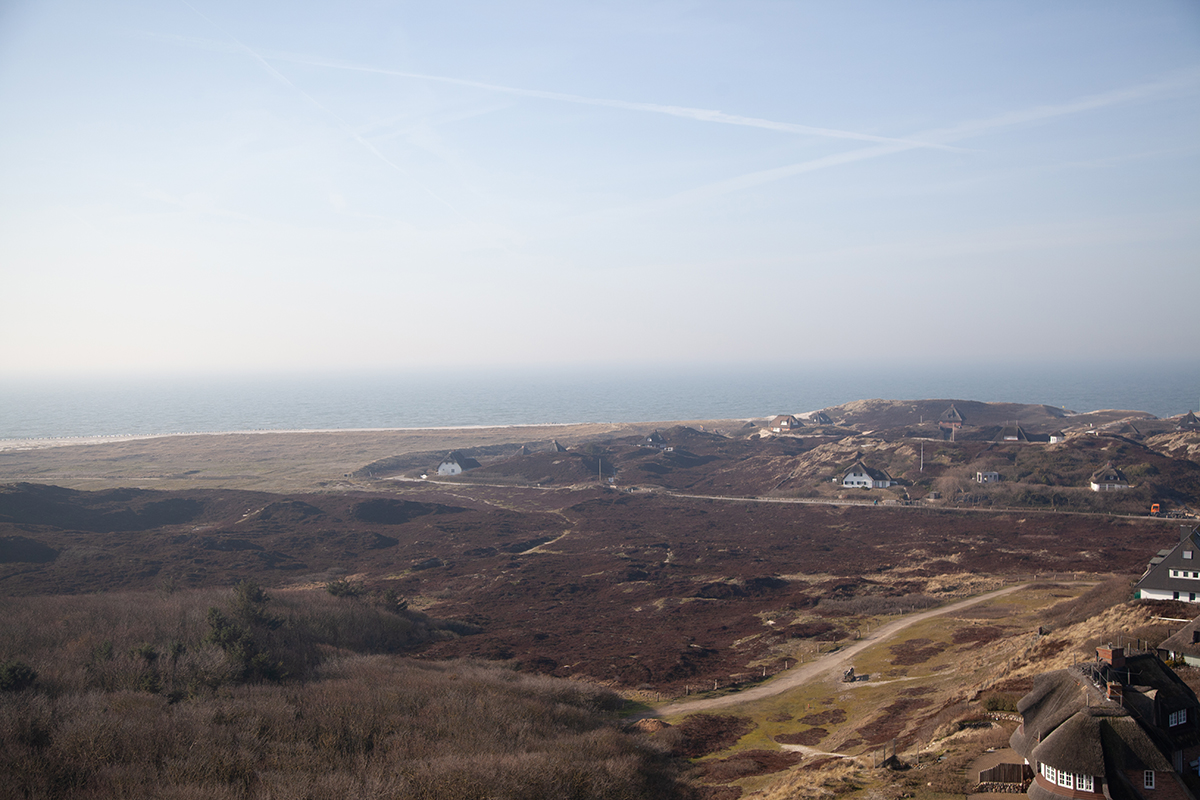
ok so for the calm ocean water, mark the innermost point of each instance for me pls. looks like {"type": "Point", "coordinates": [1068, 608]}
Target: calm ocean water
{"type": "Point", "coordinates": [64, 408]}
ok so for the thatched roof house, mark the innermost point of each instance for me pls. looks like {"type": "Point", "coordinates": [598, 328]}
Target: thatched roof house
{"type": "Point", "coordinates": [1121, 727]}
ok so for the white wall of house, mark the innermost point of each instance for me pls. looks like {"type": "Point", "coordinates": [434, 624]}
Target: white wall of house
{"type": "Point", "coordinates": [449, 468]}
{"type": "Point", "coordinates": [857, 479]}
{"type": "Point", "coordinates": [1164, 594]}
{"type": "Point", "coordinates": [1108, 487]}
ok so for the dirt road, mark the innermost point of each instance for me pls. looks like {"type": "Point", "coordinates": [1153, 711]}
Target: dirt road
{"type": "Point", "coordinates": [830, 664]}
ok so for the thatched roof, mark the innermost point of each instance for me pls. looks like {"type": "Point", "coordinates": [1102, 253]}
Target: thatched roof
{"type": "Point", "coordinates": [1186, 641]}
{"type": "Point", "coordinates": [463, 461]}
{"type": "Point", "coordinates": [1055, 698]}
{"type": "Point", "coordinates": [1076, 744]}
{"type": "Point", "coordinates": [1108, 474]}
{"type": "Point", "coordinates": [951, 416]}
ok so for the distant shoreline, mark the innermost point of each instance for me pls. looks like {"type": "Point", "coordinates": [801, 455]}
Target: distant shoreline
{"type": "Point", "coordinates": [47, 442]}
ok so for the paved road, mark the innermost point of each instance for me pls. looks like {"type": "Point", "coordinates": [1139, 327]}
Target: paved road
{"type": "Point", "coordinates": [834, 663]}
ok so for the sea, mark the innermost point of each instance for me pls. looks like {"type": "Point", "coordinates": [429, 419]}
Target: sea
{"type": "Point", "coordinates": [37, 408]}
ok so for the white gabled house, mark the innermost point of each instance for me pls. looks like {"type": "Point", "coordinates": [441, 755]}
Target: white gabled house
{"type": "Point", "coordinates": [859, 475]}
{"type": "Point", "coordinates": [1108, 479]}
{"type": "Point", "coordinates": [455, 463]}
{"type": "Point", "coordinates": [1174, 574]}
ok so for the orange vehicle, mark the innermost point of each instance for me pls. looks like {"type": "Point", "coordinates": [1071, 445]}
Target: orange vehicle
{"type": "Point", "coordinates": [1154, 510]}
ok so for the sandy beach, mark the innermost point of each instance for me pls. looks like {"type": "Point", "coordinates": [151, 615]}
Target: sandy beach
{"type": "Point", "coordinates": [315, 460]}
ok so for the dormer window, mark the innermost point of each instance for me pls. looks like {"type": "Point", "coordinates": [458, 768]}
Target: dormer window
{"type": "Point", "coordinates": [1187, 554]}
{"type": "Point", "coordinates": [1177, 718]}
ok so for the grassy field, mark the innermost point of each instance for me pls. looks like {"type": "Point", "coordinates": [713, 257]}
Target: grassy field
{"type": "Point", "coordinates": [267, 461]}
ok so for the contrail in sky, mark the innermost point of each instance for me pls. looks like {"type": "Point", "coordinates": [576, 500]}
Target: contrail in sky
{"type": "Point", "coordinates": [685, 112]}
{"type": "Point", "coordinates": [699, 114]}
{"type": "Point", "coordinates": [340, 122]}
{"type": "Point", "coordinates": [952, 134]}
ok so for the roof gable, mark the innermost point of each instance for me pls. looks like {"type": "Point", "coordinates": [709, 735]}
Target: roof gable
{"type": "Point", "coordinates": [1158, 576]}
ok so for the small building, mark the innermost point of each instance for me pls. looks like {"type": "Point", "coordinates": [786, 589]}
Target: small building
{"type": "Point", "coordinates": [1108, 479]}
{"type": "Point", "coordinates": [987, 477]}
{"type": "Point", "coordinates": [859, 476]}
{"type": "Point", "coordinates": [1012, 433]}
{"type": "Point", "coordinates": [1184, 645]}
{"type": "Point", "coordinates": [456, 463]}
{"type": "Point", "coordinates": [1057, 436]}
{"type": "Point", "coordinates": [784, 423]}
{"type": "Point", "coordinates": [950, 419]}
{"type": "Point", "coordinates": [658, 442]}
{"type": "Point", "coordinates": [820, 418]}
{"type": "Point", "coordinates": [1173, 574]}
{"type": "Point", "coordinates": [1189, 422]}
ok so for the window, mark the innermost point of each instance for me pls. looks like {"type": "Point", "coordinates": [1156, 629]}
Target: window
{"type": "Point", "coordinates": [1148, 779]}
{"type": "Point", "coordinates": [1178, 717]}
{"type": "Point", "coordinates": [1191, 597]}
{"type": "Point", "coordinates": [1175, 595]}
{"type": "Point", "coordinates": [1187, 554]}
{"type": "Point", "coordinates": [1085, 783]}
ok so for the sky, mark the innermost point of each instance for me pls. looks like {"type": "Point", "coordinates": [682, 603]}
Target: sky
{"type": "Point", "coordinates": [190, 186]}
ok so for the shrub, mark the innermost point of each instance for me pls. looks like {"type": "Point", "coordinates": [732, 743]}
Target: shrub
{"type": "Point", "coordinates": [15, 676]}
{"type": "Point", "coordinates": [344, 588]}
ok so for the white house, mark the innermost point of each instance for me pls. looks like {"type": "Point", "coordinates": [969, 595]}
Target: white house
{"type": "Point", "coordinates": [987, 477]}
{"type": "Point", "coordinates": [859, 475]}
{"type": "Point", "coordinates": [1108, 479]}
{"type": "Point", "coordinates": [455, 463]}
{"type": "Point", "coordinates": [1173, 574]}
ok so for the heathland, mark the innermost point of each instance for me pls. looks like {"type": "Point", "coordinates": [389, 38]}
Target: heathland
{"type": "Point", "coordinates": [311, 614]}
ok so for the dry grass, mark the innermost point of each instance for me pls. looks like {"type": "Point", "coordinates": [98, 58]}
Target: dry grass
{"type": "Point", "coordinates": [135, 698]}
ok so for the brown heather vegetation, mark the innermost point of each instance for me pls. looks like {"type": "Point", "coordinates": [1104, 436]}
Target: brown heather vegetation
{"type": "Point", "coordinates": [137, 695]}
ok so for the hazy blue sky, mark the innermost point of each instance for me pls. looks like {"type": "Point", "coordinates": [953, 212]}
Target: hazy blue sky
{"type": "Point", "coordinates": [278, 185]}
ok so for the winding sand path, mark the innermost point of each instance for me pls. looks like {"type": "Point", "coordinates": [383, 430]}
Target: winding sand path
{"type": "Point", "coordinates": [830, 664]}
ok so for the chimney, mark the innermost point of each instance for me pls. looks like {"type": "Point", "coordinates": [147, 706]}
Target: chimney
{"type": "Point", "coordinates": [1115, 691]}
{"type": "Point", "coordinates": [1113, 656]}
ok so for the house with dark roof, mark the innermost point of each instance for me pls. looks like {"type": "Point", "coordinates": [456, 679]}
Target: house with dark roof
{"type": "Point", "coordinates": [1189, 422]}
{"type": "Point", "coordinates": [1012, 433]}
{"type": "Point", "coordinates": [950, 418]}
{"type": "Point", "coordinates": [1185, 644]}
{"type": "Point", "coordinates": [456, 463]}
{"type": "Point", "coordinates": [859, 475]}
{"type": "Point", "coordinates": [820, 418]}
{"type": "Point", "coordinates": [1123, 726]}
{"type": "Point", "coordinates": [1108, 479]}
{"type": "Point", "coordinates": [1173, 574]}
{"type": "Point", "coordinates": [784, 423]}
